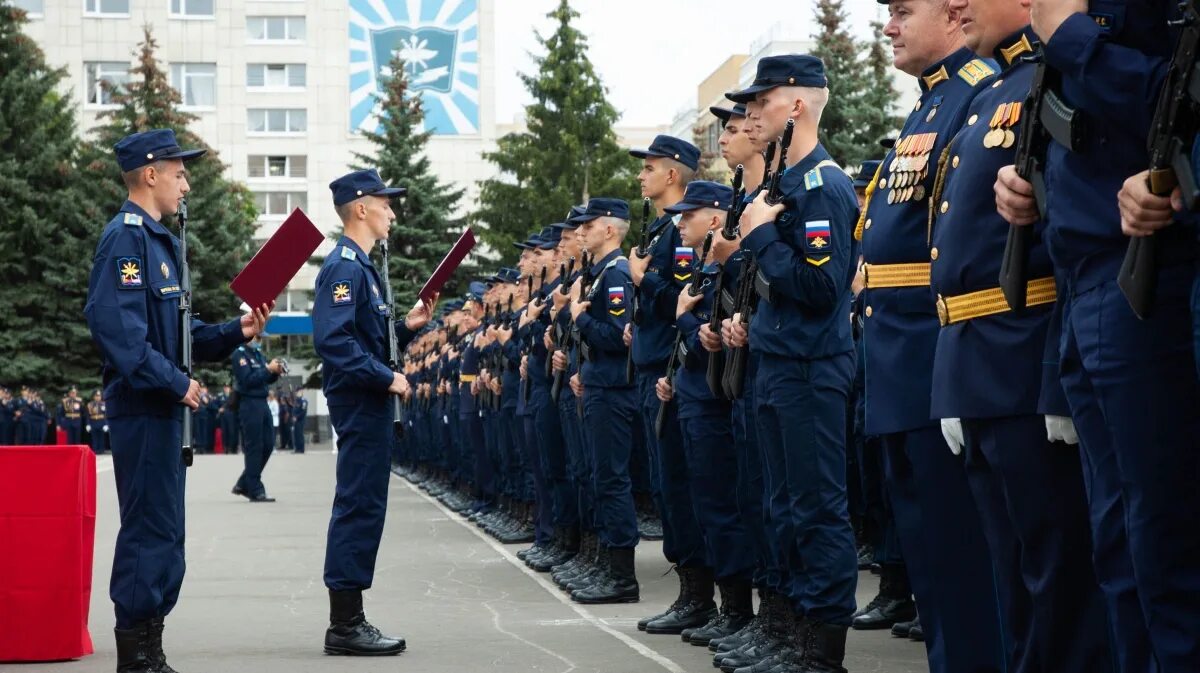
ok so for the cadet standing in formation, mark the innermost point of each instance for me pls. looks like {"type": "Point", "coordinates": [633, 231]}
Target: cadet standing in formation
{"type": "Point", "coordinates": [97, 423]}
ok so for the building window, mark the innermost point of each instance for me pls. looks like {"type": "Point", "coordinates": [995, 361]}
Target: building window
{"type": "Point", "coordinates": [279, 204]}
{"type": "Point", "coordinates": [275, 28]}
{"type": "Point", "coordinates": [106, 7]}
{"type": "Point", "coordinates": [192, 8]}
{"type": "Point", "coordinates": [276, 75]}
{"type": "Point", "coordinates": [103, 78]}
{"type": "Point", "coordinates": [277, 166]}
{"type": "Point", "coordinates": [31, 7]}
{"type": "Point", "coordinates": [196, 83]}
{"type": "Point", "coordinates": [713, 138]}
{"type": "Point", "coordinates": [276, 120]}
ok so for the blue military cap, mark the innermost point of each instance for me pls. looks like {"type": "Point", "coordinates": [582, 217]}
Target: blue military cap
{"type": "Point", "coordinates": [530, 243]}
{"type": "Point", "coordinates": [355, 185]}
{"type": "Point", "coordinates": [602, 207]}
{"type": "Point", "coordinates": [551, 236]}
{"type": "Point", "coordinates": [866, 173]}
{"type": "Point", "coordinates": [788, 70]}
{"type": "Point", "coordinates": [670, 147]}
{"type": "Point", "coordinates": [475, 291]}
{"type": "Point", "coordinates": [137, 150]}
{"type": "Point", "coordinates": [506, 275]}
{"type": "Point", "coordinates": [724, 114]}
{"type": "Point", "coordinates": [703, 194]}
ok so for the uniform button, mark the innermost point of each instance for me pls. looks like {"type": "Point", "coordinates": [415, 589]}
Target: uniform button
{"type": "Point", "coordinates": [954, 162]}
{"type": "Point", "coordinates": [869, 311]}
{"type": "Point", "coordinates": [933, 253]}
{"type": "Point", "coordinates": [972, 120]}
{"type": "Point", "coordinates": [868, 224]}
{"type": "Point", "coordinates": [945, 206]}
{"type": "Point", "coordinates": [917, 106]}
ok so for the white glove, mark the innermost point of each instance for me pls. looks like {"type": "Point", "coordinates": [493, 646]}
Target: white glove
{"type": "Point", "coordinates": [1061, 429]}
{"type": "Point", "coordinates": [953, 432]}
{"type": "Point", "coordinates": [106, 428]}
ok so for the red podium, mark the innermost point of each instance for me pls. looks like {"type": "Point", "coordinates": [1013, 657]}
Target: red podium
{"type": "Point", "coordinates": [47, 533]}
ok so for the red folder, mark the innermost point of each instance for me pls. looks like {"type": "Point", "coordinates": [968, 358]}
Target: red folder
{"type": "Point", "coordinates": [448, 265]}
{"type": "Point", "coordinates": [276, 263]}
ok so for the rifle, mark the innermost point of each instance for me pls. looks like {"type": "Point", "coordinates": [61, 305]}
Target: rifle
{"type": "Point", "coordinates": [562, 336]}
{"type": "Point", "coordinates": [775, 190]}
{"type": "Point", "coordinates": [768, 159]}
{"type": "Point", "coordinates": [585, 271]}
{"type": "Point", "coordinates": [185, 329]}
{"type": "Point", "coordinates": [1176, 122]}
{"type": "Point", "coordinates": [641, 252]}
{"type": "Point", "coordinates": [564, 274]}
{"type": "Point", "coordinates": [1030, 163]}
{"type": "Point", "coordinates": [393, 346]}
{"type": "Point", "coordinates": [735, 363]}
{"type": "Point", "coordinates": [694, 289]}
{"type": "Point", "coordinates": [729, 231]}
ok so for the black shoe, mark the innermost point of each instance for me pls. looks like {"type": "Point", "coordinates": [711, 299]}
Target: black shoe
{"type": "Point", "coordinates": [349, 631]}
{"type": "Point", "coordinates": [693, 608]}
{"type": "Point", "coordinates": [154, 647]}
{"type": "Point", "coordinates": [893, 604]}
{"type": "Point", "coordinates": [866, 556]}
{"type": "Point", "coordinates": [650, 528]}
{"type": "Point", "coordinates": [737, 609]}
{"type": "Point", "coordinates": [916, 633]}
{"type": "Point", "coordinates": [133, 649]}
{"type": "Point", "coordinates": [238, 490]}
{"type": "Point", "coordinates": [262, 497]}
{"type": "Point", "coordinates": [824, 648]}
{"type": "Point", "coordinates": [620, 585]}
{"type": "Point", "coordinates": [903, 629]}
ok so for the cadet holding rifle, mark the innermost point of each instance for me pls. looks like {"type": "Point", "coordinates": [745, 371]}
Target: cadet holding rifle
{"type": "Point", "coordinates": [133, 313]}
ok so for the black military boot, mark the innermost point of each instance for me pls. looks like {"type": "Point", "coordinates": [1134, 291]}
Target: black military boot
{"type": "Point", "coordinates": [893, 604]}
{"type": "Point", "coordinates": [619, 586]}
{"type": "Point", "coordinates": [903, 629]}
{"type": "Point", "coordinates": [155, 649]}
{"type": "Point", "coordinates": [824, 648]}
{"type": "Point", "coordinates": [784, 629]}
{"type": "Point", "coordinates": [752, 631]}
{"type": "Point", "coordinates": [694, 610]}
{"type": "Point", "coordinates": [349, 631]}
{"type": "Point", "coordinates": [592, 573]}
{"type": "Point", "coordinates": [568, 570]}
{"type": "Point", "coordinates": [685, 588]}
{"type": "Point", "coordinates": [916, 633]}
{"type": "Point", "coordinates": [737, 609]}
{"type": "Point", "coordinates": [133, 649]}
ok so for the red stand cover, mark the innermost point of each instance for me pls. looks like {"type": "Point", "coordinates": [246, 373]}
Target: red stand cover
{"type": "Point", "coordinates": [47, 534]}
{"type": "Point", "coordinates": [276, 263]}
{"type": "Point", "coordinates": [60, 436]}
{"type": "Point", "coordinates": [218, 443]}
{"type": "Point", "coordinates": [446, 268]}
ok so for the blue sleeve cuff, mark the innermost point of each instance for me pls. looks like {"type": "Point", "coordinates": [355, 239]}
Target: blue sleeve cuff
{"type": "Point", "coordinates": [688, 323]}
{"type": "Point", "coordinates": [585, 321]}
{"type": "Point", "coordinates": [1070, 44]}
{"type": "Point", "coordinates": [760, 238]}
{"type": "Point", "coordinates": [231, 335]}
{"type": "Point", "coordinates": [652, 284]}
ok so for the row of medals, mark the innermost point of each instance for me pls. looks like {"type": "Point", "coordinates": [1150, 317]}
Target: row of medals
{"type": "Point", "coordinates": [1003, 120]}
{"type": "Point", "coordinates": [910, 167]}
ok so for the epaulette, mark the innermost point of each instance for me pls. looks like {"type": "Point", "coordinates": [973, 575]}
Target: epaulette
{"type": "Point", "coordinates": [347, 253]}
{"type": "Point", "coordinates": [813, 179]}
{"type": "Point", "coordinates": [134, 219]}
{"type": "Point", "coordinates": [976, 71]}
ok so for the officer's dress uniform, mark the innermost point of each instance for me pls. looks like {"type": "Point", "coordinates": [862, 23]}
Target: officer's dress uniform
{"type": "Point", "coordinates": [97, 425]}
{"type": "Point", "coordinates": [133, 313]}
{"type": "Point", "coordinates": [989, 371]}
{"type": "Point", "coordinates": [251, 378]}
{"type": "Point", "coordinates": [70, 419]}
{"type": "Point", "coordinates": [1137, 415]}
{"type": "Point", "coordinates": [299, 415]}
{"type": "Point", "coordinates": [946, 555]}
{"type": "Point", "coordinates": [20, 407]}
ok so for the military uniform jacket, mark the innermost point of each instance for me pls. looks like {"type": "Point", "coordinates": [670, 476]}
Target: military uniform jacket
{"type": "Point", "coordinates": [350, 327]}
{"type": "Point", "coordinates": [96, 414]}
{"type": "Point", "coordinates": [70, 412]}
{"type": "Point", "coordinates": [602, 326]}
{"type": "Point", "coordinates": [691, 382]}
{"type": "Point", "coordinates": [469, 371]}
{"type": "Point", "coordinates": [533, 334]}
{"type": "Point", "coordinates": [901, 323]}
{"type": "Point", "coordinates": [669, 270]}
{"type": "Point", "coordinates": [991, 366]}
{"type": "Point", "coordinates": [299, 410]}
{"type": "Point", "coordinates": [133, 313]}
{"type": "Point", "coordinates": [1113, 62]}
{"type": "Point", "coordinates": [250, 374]}
{"type": "Point", "coordinates": [807, 257]}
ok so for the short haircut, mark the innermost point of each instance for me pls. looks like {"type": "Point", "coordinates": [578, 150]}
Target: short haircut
{"type": "Point", "coordinates": [343, 211]}
{"type": "Point", "coordinates": [133, 178]}
{"type": "Point", "coordinates": [686, 174]}
{"type": "Point", "coordinates": [622, 226]}
{"type": "Point", "coordinates": [815, 98]}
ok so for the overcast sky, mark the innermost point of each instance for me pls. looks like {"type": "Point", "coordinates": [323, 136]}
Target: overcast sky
{"type": "Point", "coordinates": [635, 44]}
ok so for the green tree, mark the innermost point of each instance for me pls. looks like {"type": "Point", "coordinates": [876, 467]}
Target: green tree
{"type": "Point", "coordinates": [425, 227]}
{"type": "Point", "coordinates": [569, 151]}
{"type": "Point", "coordinates": [44, 236]}
{"type": "Point", "coordinates": [881, 119]}
{"type": "Point", "coordinates": [221, 212]}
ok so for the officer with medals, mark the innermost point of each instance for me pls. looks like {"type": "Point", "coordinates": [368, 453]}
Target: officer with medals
{"type": "Point", "coordinates": [252, 376]}
{"type": "Point", "coordinates": [945, 554]}
{"type": "Point", "coordinates": [1136, 414]}
{"type": "Point", "coordinates": [805, 255]}
{"type": "Point", "coordinates": [991, 386]}
{"type": "Point", "coordinates": [133, 313]}
{"type": "Point", "coordinates": [668, 165]}
{"type": "Point", "coordinates": [97, 419]}
{"type": "Point", "coordinates": [609, 402]}
{"type": "Point", "coordinates": [350, 336]}
{"type": "Point", "coordinates": [19, 406]}
{"type": "Point", "coordinates": [70, 416]}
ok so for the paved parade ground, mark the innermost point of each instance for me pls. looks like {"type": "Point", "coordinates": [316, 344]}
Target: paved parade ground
{"type": "Point", "coordinates": [253, 599]}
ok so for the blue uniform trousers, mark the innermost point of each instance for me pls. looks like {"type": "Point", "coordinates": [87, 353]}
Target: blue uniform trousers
{"type": "Point", "coordinates": [712, 461]}
{"type": "Point", "coordinates": [229, 431]}
{"type": "Point", "coordinates": [1030, 499]}
{"type": "Point", "coordinates": [1138, 418]}
{"type": "Point", "coordinates": [534, 472]}
{"type": "Point", "coordinates": [1196, 318]}
{"type": "Point", "coordinates": [753, 496]}
{"type": "Point", "coordinates": [482, 475]}
{"type": "Point", "coordinates": [298, 435]}
{"type": "Point", "coordinates": [74, 432]}
{"type": "Point", "coordinates": [683, 542]}
{"type": "Point", "coordinates": [801, 408]}
{"type": "Point", "coordinates": [98, 436]}
{"type": "Point", "coordinates": [608, 420]}
{"type": "Point", "coordinates": [552, 447]}
{"type": "Point", "coordinates": [200, 425]}
{"type": "Point", "coordinates": [360, 500]}
{"type": "Point", "coordinates": [257, 432]}
{"type": "Point", "coordinates": [944, 552]}
{"type": "Point", "coordinates": [579, 463]}
{"type": "Point", "coordinates": [508, 460]}
{"type": "Point", "coordinates": [148, 563]}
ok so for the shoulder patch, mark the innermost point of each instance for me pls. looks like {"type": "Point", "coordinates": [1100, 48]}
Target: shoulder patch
{"type": "Point", "coordinates": [134, 219]}
{"type": "Point", "coordinates": [616, 300]}
{"type": "Point", "coordinates": [813, 179]}
{"type": "Point", "coordinates": [347, 253]}
{"type": "Point", "coordinates": [129, 272]}
{"type": "Point", "coordinates": [816, 235]}
{"type": "Point", "coordinates": [242, 362]}
{"type": "Point", "coordinates": [976, 71]}
{"type": "Point", "coordinates": [342, 293]}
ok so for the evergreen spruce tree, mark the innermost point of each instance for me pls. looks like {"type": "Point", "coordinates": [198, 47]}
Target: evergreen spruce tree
{"type": "Point", "coordinates": [568, 153]}
{"type": "Point", "coordinates": [843, 131]}
{"type": "Point", "coordinates": [880, 108]}
{"type": "Point", "coordinates": [44, 235]}
{"type": "Point", "coordinates": [221, 212]}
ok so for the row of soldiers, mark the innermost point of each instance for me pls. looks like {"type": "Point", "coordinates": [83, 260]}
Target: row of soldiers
{"type": "Point", "coordinates": [25, 420]}
{"type": "Point", "coordinates": [1036, 439]}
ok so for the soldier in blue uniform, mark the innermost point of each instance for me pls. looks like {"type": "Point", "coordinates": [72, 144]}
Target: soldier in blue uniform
{"type": "Point", "coordinates": [609, 402]}
{"type": "Point", "coordinates": [6, 417]}
{"type": "Point", "coordinates": [70, 416]}
{"type": "Point", "coordinates": [211, 416]}
{"type": "Point", "coordinates": [228, 416]}
{"type": "Point", "coordinates": [1137, 417]}
{"type": "Point", "coordinates": [350, 336]}
{"type": "Point", "coordinates": [133, 313]}
{"type": "Point", "coordinates": [299, 416]}
{"type": "Point", "coordinates": [945, 554]}
{"type": "Point", "coordinates": [97, 423]}
{"type": "Point", "coordinates": [806, 261]}
{"type": "Point", "coordinates": [668, 165]}
{"type": "Point", "coordinates": [19, 408]}
{"type": "Point", "coordinates": [203, 422]}
{"type": "Point", "coordinates": [1029, 491]}
{"type": "Point", "coordinates": [37, 419]}
{"type": "Point", "coordinates": [252, 375]}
